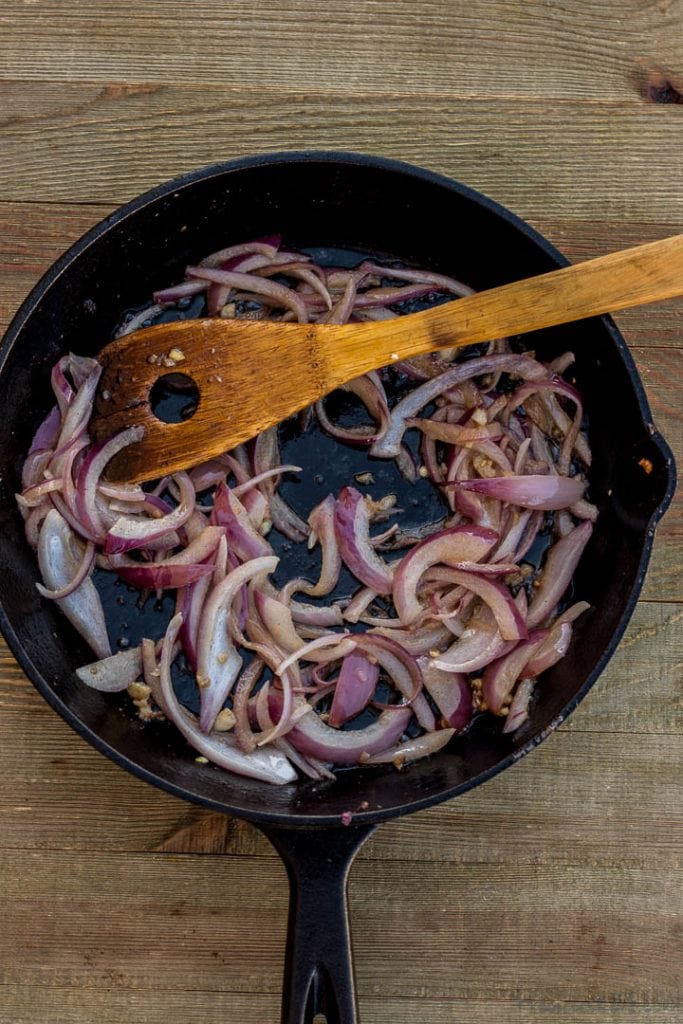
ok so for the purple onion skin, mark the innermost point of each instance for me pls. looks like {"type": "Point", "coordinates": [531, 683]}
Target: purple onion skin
{"type": "Point", "coordinates": [163, 577]}
{"type": "Point", "coordinates": [243, 538]}
{"type": "Point", "coordinates": [314, 738]}
{"type": "Point", "coordinates": [351, 523]}
{"type": "Point", "coordinates": [355, 687]}
{"type": "Point", "coordinates": [547, 493]}
{"type": "Point", "coordinates": [560, 565]}
{"type": "Point", "coordinates": [501, 675]}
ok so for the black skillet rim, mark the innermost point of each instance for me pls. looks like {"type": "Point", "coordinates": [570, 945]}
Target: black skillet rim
{"type": "Point", "coordinates": [368, 817]}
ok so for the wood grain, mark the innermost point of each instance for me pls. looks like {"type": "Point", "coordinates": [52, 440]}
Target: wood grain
{"type": "Point", "coordinates": [499, 48]}
{"type": "Point", "coordinates": [108, 145]}
{"type": "Point", "coordinates": [550, 895]}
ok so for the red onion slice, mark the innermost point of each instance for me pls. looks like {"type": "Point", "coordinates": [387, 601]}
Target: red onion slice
{"type": "Point", "coordinates": [536, 492]}
{"type": "Point", "coordinates": [456, 544]}
{"type": "Point", "coordinates": [316, 739]}
{"type": "Point", "coordinates": [510, 623]}
{"type": "Point", "coordinates": [355, 686]}
{"type": "Point", "coordinates": [277, 618]}
{"type": "Point", "coordinates": [218, 662]}
{"type": "Point", "coordinates": [560, 565]}
{"type": "Point", "coordinates": [150, 576]}
{"type": "Point", "coordinates": [221, 748]}
{"type": "Point", "coordinates": [451, 693]}
{"type": "Point", "coordinates": [501, 675]}
{"type": "Point", "coordinates": [371, 392]}
{"type": "Point", "coordinates": [243, 538]}
{"type": "Point", "coordinates": [129, 533]}
{"type": "Point", "coordinates": [113, 674]}
{"type": "Point", "coordinates": [322, 523]}
{"type": "Point", "coordinates": [519, 708]}
{"type": "Point", "coordinates": [352, 527]}
{"type": "Point", "coordinates": [479, 644]}
{"type": "Point", "coordinates": [83, 571]}
{"type": "Point", "coordinates": [522, 366]}
{"type": "Point", "coordinates": [279, 294]}
{"type": "Point", "coordinates": [412, 750]}
{"type": "Point", "coordinates": [60, 555]}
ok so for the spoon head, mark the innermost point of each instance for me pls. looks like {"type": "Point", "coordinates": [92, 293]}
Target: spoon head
{"type": "Point", "coordinates": [245, 376]}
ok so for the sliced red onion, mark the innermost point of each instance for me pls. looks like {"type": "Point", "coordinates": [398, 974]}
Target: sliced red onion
{"type": "Point", "coordinates": [510, 623]}
{"type": "Point", "coordinates": [403, 671]}
{"type": "Point", "coordinates": [439, 282]}
{"type": "Point", "coordinates": [150, 576]}
{"type": "Point", "coordinates": [355, 686]}
{"type": "Point", "coordinates": [172, 294]}
{"type": "Point", "coordinates": [480, 644]}
{"type": "Point", "coordinates": [243, 488]}
{"type": "Point", "coordinates": [340, 645]}
{"type": "Point", "coordinates": [412, 750]}
{"type": "Point", "coordinates": [454, 433]}
{"type": "Point", "coordinates": [194, 596]}
{"type": "Point", "coordinates": [451, 693]}
{"type": "Point", "coordinates": [267, 247]}
{"type": "Point", "coordinates": [129, 533]}
{"type": "Point", "coordinates": [551, 650]}
{"type": "Point", "coordinates": [519, 708]}
{"type": "Point", "coordinates": [501, 675]}
{"type": "Point", "coordinates": [244, 686]}
{"type": "Point", "coordinates": [243, 538]}
{"type": "Point", "coordinates": [47, 433]}
{"type": "Point", "coordinates": [519, 365]}
{"type": "Point", "coordinates": [60, 556]}
{"type": "Point", "coordinates": [221, 748]}
{"type": "Point", "coordinates": [341, 311]}
{"type": "Point", "coordinates": [352, 527]}
{"type": "Point", "coordinates": [315, 615]}
{"type": "Point", "coordinates": [560, 565]}
{"type": "Point", "coordinates": [457, 544]}
{"type": "Point", "coordinates": [417, 641]}
{"type": "Point", "coordinates": [112, 674]}
{"type": "Point", "coordinates": [83, 571]}
{"type": "Point", "coordinates": [201, 548]}
{"type": "Point", "coordinates": [139, 320]}
{"type": "Point", "coordinates": [361, 600]}
{"type": "Point", "coordinates": [218, 662]}
{"type": "Point", "coordinates": [316, 739]}
{"type": "Point", "coordinates": [279, 294]}
{"type": "Point", "coordinates": [277, 618]}
{"type": "Point", "coordinates": [548, 389]}
{"type": "Point", "coordinates": [322, 523]}
{"type": "Point", "coordinates": [286, 520]}
{"type": "Point", "coordinates": [371, 392]}
{"type": "Point", "coordinates": [535, 492]}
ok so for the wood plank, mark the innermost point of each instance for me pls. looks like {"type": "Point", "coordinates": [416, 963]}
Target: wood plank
{"type": "Point", "coordinates": [389, 45]}
{"type": "Point", "coordinates": [107, 146]}
{"type": "Point", "coordinates": [168, 923]}
{"type": "Point", "coordinates": [112, 1006]}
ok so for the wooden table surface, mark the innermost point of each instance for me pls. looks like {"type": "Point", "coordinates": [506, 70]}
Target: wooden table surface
{"type": "Point", "coordinates": [551, 894]}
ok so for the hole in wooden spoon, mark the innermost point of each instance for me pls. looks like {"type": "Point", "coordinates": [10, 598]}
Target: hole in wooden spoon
{"type": "Point", "coordinates": [174, 398]}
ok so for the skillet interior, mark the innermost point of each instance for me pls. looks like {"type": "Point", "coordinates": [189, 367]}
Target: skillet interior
{"type": "Point", "coordinates": [376, 206]}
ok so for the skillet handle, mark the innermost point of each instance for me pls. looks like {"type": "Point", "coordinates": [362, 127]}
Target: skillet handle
{"type": "Point", "coordinates": [319, 976]}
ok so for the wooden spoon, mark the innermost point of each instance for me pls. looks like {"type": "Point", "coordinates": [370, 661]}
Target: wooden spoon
{"type": "Point", "coordinates": [252, 374]}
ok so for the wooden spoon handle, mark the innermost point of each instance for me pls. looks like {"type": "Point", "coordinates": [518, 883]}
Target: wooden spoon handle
{"type": "Point", "coordinates": [251, 375]}
{"type": "Point", "coordinates": [631, 277]}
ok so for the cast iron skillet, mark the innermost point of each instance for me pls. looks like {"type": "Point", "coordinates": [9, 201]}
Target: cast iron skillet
{"type": "Point", "coordinates": [344, 201]}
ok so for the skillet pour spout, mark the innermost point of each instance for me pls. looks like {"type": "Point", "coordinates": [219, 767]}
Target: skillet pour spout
{"type": "Point", "coordinates": [331, 203]}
